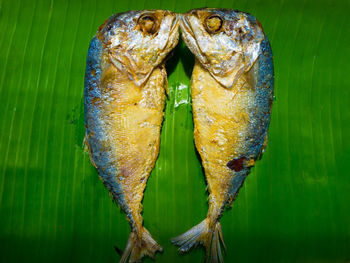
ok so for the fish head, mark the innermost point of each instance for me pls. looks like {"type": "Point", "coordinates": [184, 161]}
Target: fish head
{"type": "Point", "coordinates": [226, 42]}
{"type": "Point", "coordinates": [138, 41]}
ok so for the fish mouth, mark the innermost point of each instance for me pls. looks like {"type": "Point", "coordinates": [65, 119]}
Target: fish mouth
{"type": "Point", "coordinates": [171, 35]}
{"type": "Point", "coordinates": [190, 37]}
{"type": "Point", "coordinates": [185, 25]}
{"type": "Point", "coordinates": [174, 24]}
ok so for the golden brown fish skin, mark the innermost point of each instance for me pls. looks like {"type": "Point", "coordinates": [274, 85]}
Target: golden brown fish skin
{"type": "Point", "coordinates": [220, 117]}
{"type": "Point", "coordinates": [135, 116]}
{"type": "Point", "coordinates": [232, 93]}
{"type": "Point", "coordinates": [125, 86]}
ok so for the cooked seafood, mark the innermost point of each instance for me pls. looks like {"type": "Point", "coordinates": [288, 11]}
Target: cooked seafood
{"type": "Point", "coordinates": [125, 84]}
{"type": "Point", "coordinates": [232, 95]}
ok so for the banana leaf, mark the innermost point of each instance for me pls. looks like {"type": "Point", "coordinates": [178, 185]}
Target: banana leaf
{"type": "Point", "coordinates": [293, 207]}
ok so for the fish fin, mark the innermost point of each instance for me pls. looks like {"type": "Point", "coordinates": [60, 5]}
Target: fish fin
{"type": "Point", "coordinates": [85, 145]}
{"type": "Point", "coordinates": [263, 148]}
{"type": "Point", "coordinates": [166, 86]}
{"type": "Point", "coordinates": [139, 245]}
{"type": "Point", "coordinates": [165, 82]}
{"type": "Point", "coordinates": [88, 149]}
{"type": "Point", "coordinates": [209, 237]}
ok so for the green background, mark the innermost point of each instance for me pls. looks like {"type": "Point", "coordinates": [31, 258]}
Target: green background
{"type": "Point", "coordinates": [295, 204]}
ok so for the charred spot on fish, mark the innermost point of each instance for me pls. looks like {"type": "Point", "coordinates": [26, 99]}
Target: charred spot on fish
{"type": "Point", "coordinates": [147, 23]}
{"type": "Point", "coordinates": [213, 24]}
{"type": "Point", "coordinates": [236, 164]}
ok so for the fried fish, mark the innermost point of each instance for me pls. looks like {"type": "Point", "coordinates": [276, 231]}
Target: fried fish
{"type": "Point", "coordinates": [124, 98]}
{"type": "Point", "coordinates": [232, 95]}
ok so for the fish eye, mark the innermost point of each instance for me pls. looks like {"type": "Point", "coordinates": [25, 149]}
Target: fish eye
{"type": "Point", "coordinates": [213, 23]}
{"type": "Point", "coordinates": [147, 23]}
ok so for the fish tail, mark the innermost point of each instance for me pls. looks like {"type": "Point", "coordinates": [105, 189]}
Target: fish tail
{"type": "Point", "coordinates": [140, 244]}
{"type": "Point", "coordinates": [205, 233]}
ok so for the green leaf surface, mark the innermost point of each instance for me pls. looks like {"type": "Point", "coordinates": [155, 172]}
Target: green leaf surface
{"type": "Point", "coordinates": [293, 207]}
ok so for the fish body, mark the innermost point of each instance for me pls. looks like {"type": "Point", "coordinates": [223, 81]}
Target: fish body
{"type": "Point", "coordinates": [232, 95]}
{"type": "Point", "coordinates": [124, 98]}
